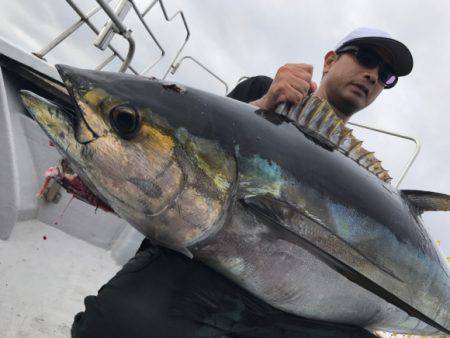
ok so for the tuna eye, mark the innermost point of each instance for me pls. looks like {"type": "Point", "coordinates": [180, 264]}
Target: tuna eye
{"type": "Point", "coordinates": [125, 121]}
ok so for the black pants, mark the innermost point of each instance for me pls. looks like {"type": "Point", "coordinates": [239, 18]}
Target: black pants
{"type": "Point", "coordinates": [161, 293]}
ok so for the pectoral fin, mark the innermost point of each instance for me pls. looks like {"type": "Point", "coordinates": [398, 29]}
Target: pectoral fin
{"type": "Point", "coordinates": [427, 200]}
{"type": "Point", "coordinates": [277, 210]}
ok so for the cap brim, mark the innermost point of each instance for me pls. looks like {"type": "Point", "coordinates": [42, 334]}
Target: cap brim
{"type": "Point", "coordinates": [401, 58]}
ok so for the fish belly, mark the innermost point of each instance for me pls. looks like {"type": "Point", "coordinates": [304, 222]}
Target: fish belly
{"type": "Point", "coordinates": [271, 264]}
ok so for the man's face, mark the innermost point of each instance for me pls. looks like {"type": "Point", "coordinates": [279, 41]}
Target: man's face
{"type": "Point", "coordinates": [348, 85]}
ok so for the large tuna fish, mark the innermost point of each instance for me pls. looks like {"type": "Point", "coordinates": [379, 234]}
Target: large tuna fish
{"type": "Point", "coordinates": [298, 213]}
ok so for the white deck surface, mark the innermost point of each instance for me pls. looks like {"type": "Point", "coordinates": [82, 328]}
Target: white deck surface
{"type": "Point", "coordinates": [43, 281]}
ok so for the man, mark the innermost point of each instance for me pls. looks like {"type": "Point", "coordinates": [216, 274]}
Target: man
{"type": "Point", "coordinates": [161, 293]}
{"type": "Point", "coordinates": [364, 63]}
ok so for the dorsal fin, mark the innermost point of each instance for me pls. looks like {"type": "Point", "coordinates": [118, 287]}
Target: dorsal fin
{"type": "Point", "coordinates": [427, 200]}
{"type": "Point", "coordinates": [318, 117]}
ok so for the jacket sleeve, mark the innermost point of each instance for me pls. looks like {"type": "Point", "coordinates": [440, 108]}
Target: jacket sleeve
{"type": "Point", "coordinates": [251, 89]}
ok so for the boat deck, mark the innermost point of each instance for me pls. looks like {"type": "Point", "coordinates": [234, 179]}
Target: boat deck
{"type": "Point", "coordinates": [44, 276]}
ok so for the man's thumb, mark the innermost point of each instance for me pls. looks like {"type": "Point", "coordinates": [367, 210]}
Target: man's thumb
{"type": "Point", "coordinates": [313, 87]}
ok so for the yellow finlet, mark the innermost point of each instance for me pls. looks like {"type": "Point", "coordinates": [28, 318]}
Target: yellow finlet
{"type": "Point", "coordinates": [319, 117]}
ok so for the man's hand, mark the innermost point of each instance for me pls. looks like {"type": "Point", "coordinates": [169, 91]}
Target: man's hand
{"type": "Point", "coordinates": [291, 84]}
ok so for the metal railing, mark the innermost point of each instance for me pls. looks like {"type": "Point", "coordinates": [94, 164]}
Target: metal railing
{"type": "Point", "coordinates": [84, 19]}
{"type": "Point", "coordinates": [177, 65]}
{"type": "Point", "coordinates": [122, 30]}
{"type": "Point", "coordinates": [168, 19]}
{"type": "Point", "coordinates": [116, 26]}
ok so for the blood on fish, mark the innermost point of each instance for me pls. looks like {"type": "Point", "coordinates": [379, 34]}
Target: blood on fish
{"type": "Point", "coordinates": [73, 184]}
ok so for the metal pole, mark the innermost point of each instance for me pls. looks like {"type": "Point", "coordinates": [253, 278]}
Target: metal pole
{"type": "Point", "coordinates": [106, 62]}
{"type": "Point", "coordinates": [413, 156]}
{"type": "Point", "coordinates": [55, 42]}
{"type": "Point", "coordinates": [144, 13]}
{"type": "Point", "coordinates": [130, 54]}
{"type": "Point", "coordinates": [141, 17]}
{"type": "Point", "coordinates": [91, 26]}
{"type": "Point", "coordinates": [188, 33]}
{"type": "Point", "coordinates": [95, 30]}
{"type": "Point", "coordinates": [120, 27]}
{"type": "Point", "coordinates": [122, 30]}
{"type": "Point", "coordinates": [176, 66]}
{"type": "Point", "coordinates": [108, 31]}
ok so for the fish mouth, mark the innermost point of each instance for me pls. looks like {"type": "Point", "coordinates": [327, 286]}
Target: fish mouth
{"type": "Point", "coordinates": [64, 175]}
{"type": "Point", "coordinates": [58, 123]}
{"type": "Point", "coordinates": [69, 133]}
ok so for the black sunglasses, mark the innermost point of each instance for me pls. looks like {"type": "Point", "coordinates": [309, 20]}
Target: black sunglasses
{"type": "Point", "coordinates": [371, 60]}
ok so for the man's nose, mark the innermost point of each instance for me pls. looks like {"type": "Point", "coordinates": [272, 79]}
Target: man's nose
{"type": "Point", "coordinates": [371, 74]}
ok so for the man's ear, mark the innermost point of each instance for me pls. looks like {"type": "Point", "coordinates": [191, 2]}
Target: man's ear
{"type": "Point", "coordinates": [329, 60]}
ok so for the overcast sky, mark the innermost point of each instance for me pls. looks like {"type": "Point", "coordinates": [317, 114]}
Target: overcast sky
{"type": "Point", "coordinates": [254, 37]}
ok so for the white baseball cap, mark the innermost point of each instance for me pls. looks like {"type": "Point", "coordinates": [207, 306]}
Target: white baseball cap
{"type": "Point", "coordinates": [400, 57]}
